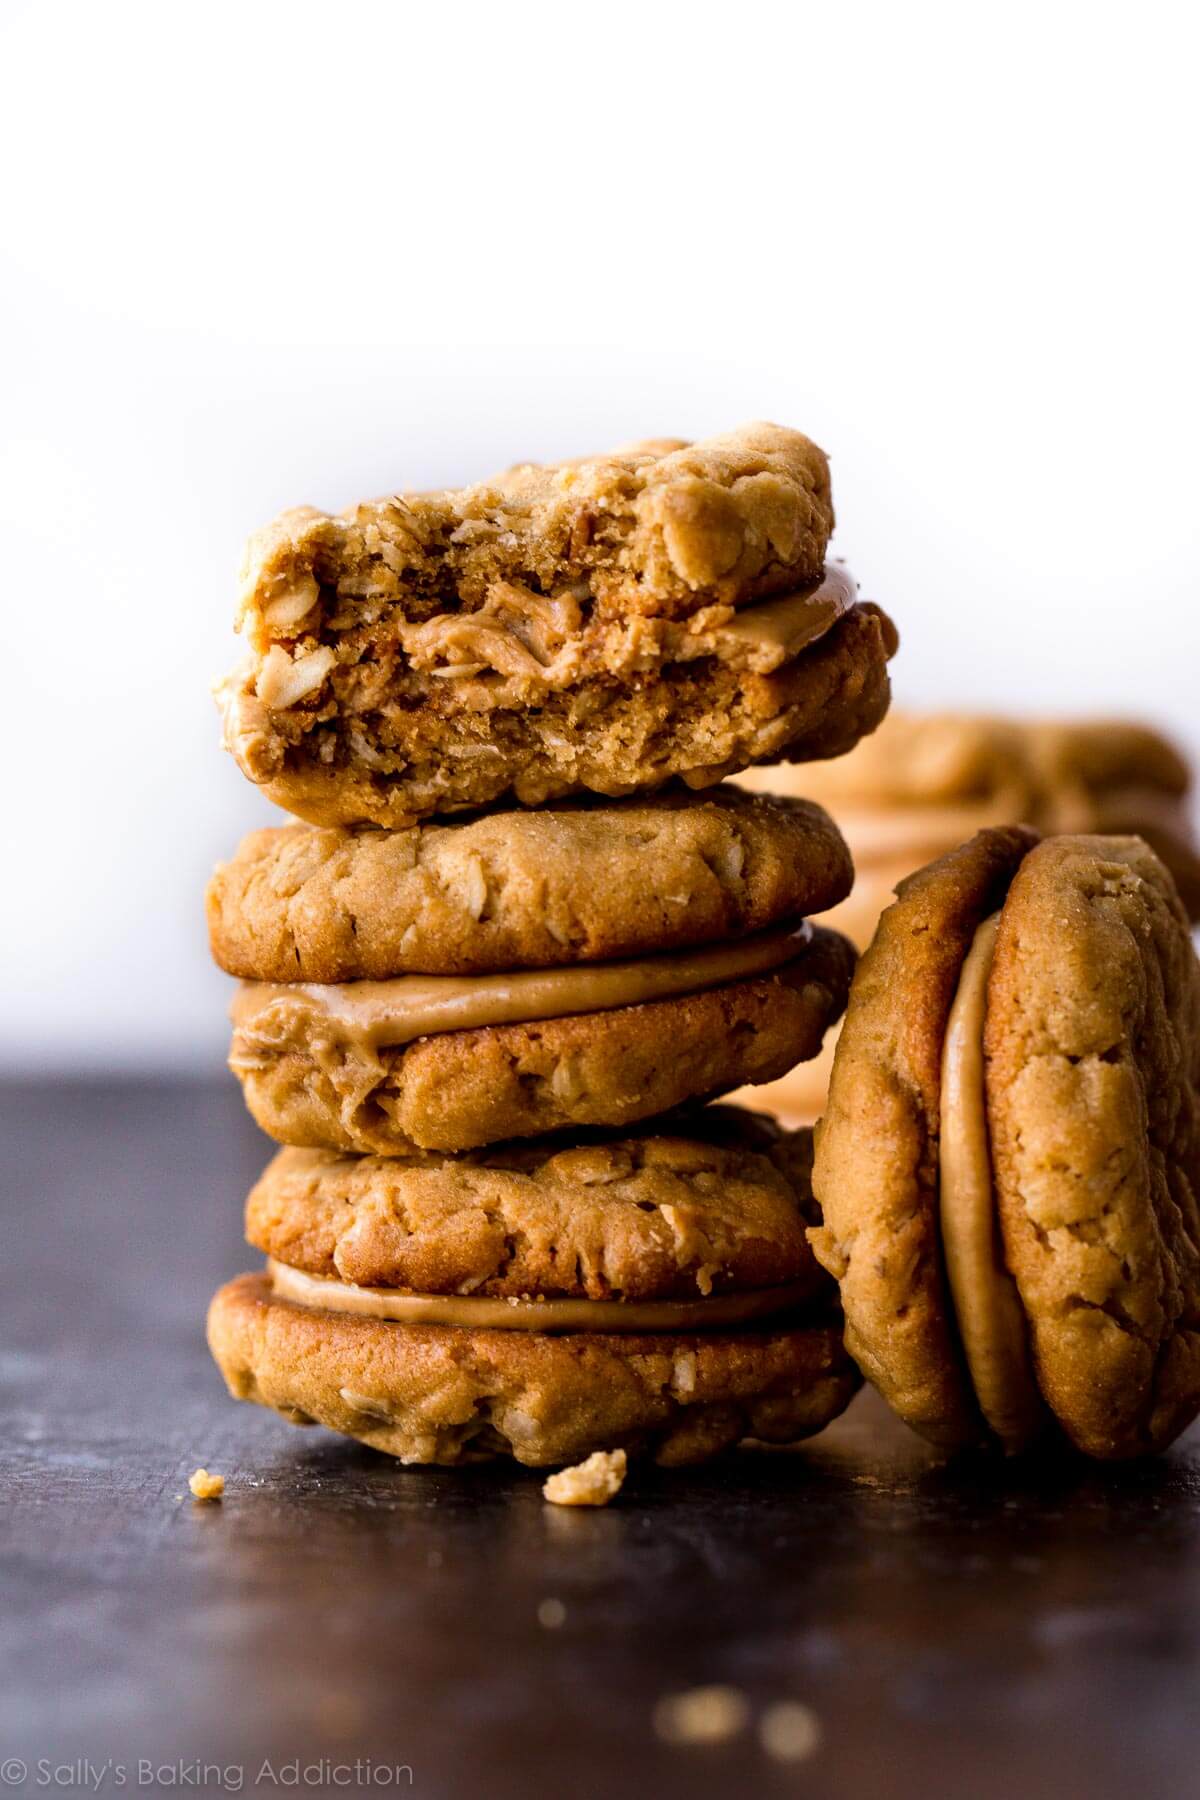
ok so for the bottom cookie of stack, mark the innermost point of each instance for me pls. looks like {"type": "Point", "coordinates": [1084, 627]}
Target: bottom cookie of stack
{"type": "Point", "coordinates": [653, 1291]}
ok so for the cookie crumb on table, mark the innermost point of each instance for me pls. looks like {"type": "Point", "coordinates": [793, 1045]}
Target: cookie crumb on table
{"type": "Point", "coordinates": [589, 1483]}
{"type": "Point", "coordinates": [205, 1486]}
{"type": "Point", "coordinates": [703, 1715]}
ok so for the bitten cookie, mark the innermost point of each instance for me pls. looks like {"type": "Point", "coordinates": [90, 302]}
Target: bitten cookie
{"type": "Point", "coordinates": [1009, 1161]}
{"type": "Point", "coordinates": [601, 626]}
{"type": "Point", "coordinates": [654, 1292]}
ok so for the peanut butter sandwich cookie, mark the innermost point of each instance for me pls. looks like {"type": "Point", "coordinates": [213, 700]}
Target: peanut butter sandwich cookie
{"type": "Point", "coordinates": [604, 625]}
{"type": "Point", "coordinates": [926, 781]}
{"type": "Point", "coordinates": [627, 1016]}
{"type": "Point", "coordinates": [654, 1292]}
{"type": "Point", "coordinates": [1009, 1163]}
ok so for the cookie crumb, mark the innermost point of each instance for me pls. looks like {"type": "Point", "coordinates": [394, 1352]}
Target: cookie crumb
{"type": "Point", "coordinates": [590, 1483]}
{"type": "Point", "coordinates": [789, 1731]}
{"type": "Point", "coordinates": [703, 1715]}
{"type": "Point", "coordinates": [205, 1486]}
{"type": "Point", "coordinates": [551, 1614]}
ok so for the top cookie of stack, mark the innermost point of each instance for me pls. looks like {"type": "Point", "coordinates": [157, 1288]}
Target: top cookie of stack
{"type": "Point", "coordinates": [605, 626]}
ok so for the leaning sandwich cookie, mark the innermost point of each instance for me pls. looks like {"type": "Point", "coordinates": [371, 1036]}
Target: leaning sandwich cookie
{"type": "Point", "coordinates": [1009, 1161]}
{"type": "Point", "coordinates": [654, 1291]}
{"type": "Point", "coordinates": [664, 613]}
{"type": "Point", "coordinates": [653, 992]}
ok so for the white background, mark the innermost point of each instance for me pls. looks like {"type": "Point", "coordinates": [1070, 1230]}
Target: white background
{"type": "Point", "coordinates": [256, 254]}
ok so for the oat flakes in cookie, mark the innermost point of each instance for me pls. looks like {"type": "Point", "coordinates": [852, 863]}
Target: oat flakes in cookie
{"type": "Point", "coordinates": [607, 625]}
{"type": "Point", "coordinates": [1009, 1163]}
{"type": "Point", "coordinates": [653, 1292]}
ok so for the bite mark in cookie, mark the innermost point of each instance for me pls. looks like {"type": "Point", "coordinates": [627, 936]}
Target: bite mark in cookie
{"type": "Point", "coordinates": [602, 626]}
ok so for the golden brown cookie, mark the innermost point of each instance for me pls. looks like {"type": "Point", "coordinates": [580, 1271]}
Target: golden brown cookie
{"type": "Point", "coordinates": [449, 1394]}
{"type": "Point", "coordinates": [925, 781]}
{"type": "Point", "coordinates": [325, 1067]}
{"type": "Point", "coordinates": [710, 1201]}
{"type": "Point", "coordinates": [600, 626]}
{"type": "Point", "coordinates": [1093, 1091]}
{"type": "Point", "coordinates": [341, 741]}
{"type": "Point", "coordinates": [1009, 1162]}
{"type": "Point", "coordinates": [567, 884]}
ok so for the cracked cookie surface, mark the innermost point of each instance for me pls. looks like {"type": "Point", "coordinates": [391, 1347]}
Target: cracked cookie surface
{"type": "Point", "coordinates": [1091, 1040]}
{"type": "Point", "coordinates": [708, 1201]}
{"type": "Point", "coordinates": [538, 889]}
{"type": "Point", "coordinates": [1093, 1085]}
{"type": "Point", "coordinates": [458, 1090]}
{"type": "Point", "coordinates": [447, 1394]}
{"type": "Point", "coordinates": [655, 529]}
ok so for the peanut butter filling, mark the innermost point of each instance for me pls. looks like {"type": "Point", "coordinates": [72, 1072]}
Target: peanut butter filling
{"type": "Point", "coordinates": [988, 1310]}
{"type": "Point", "coordinates": [520, 643]}
{"type": "Point", "coordinates": [523, 640]}
{"type": "Point", "coordinates": [480, 1313]}
{"type": "Point", "coordinates": [364, 1017]}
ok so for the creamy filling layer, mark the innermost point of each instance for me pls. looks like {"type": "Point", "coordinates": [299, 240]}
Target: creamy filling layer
{"type": "Point", "coordinates": [479, 1312]}
{"type": "Point", "coordinates": [990, 1317]}
{"type": "Point", "coordinates": [520, 641]}
{"type": "Point", "coordinates": [270, 1018]}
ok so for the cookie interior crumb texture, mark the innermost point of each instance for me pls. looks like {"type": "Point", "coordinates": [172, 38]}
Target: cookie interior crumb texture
{"type": "Point", "coordinates": [604, 626]}
{"type": "Point", "coordinates": [593, 1482]}
{"type": "Point", "coordinates": [205, 1486]}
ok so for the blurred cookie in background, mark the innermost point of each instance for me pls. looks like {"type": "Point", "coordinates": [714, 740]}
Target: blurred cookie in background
{"type": "Point", "coordinates": [925, 782]}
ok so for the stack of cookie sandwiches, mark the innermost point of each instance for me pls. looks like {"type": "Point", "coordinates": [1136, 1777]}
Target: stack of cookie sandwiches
{"type": "Point", "coordinates": [515, 938]}
{"type": "Point", "coordinates": [924, 782]}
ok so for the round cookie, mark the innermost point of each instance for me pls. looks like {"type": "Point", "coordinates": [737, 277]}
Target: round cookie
{"type": "Point", "coordinates": [1089, 1044]}
{"type": "Point", "coordinates": [543, 1301]}
{"type": "Point", "coordinates": [458, 1089]}
{"type": "Point", "coordinates": [1093, 1092]}
{"type": "Point", "coordinates": [443, 1394]}
{"type": "Point", "coordinates": [925, 781]}
{"type": "Point", "coordinates": [665, 612]}
{"type": "Point", "coordinates": [712, 1202]}
{"type": "Point", "coordinates": [503, 891]}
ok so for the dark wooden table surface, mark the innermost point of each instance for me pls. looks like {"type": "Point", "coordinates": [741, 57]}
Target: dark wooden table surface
{"type": "Point", "coordinates": [952, 1630]}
